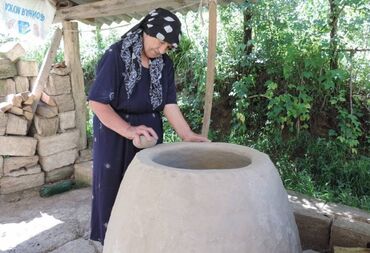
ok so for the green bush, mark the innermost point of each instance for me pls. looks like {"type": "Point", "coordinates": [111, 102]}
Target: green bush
{"type": "Point", "coordinates": [283, 97]}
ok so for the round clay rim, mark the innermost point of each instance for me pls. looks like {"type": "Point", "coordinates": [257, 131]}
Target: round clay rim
{"type": "Point", "coordinates": [256, 157]}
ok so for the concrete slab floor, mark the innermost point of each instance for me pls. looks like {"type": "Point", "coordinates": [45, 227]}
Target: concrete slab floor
{"type": "Point", "coordinates": [60, 223]}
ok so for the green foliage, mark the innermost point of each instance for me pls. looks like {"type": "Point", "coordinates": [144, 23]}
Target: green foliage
{"type": "Point", "coordinates": [189, 62]}
{"type": "Point", "coordinates": [39, 54]}
{"type": "Point", "coordinates": [319, 168]}
{"type": "Point", "coordinates": [169, 134]}
{"type": "Point", "coordinates": [240, 93]}
{"type": "Point", "coordinates": [287, 109]}
{"type": "Point", "coordinates": [91, 51]}
{"type": "Point", "coordinates": [349, 129]}
{"type": "Point", "coordinates": [89, 126]}
{"type": "Point", "coordinates": [284, 97]}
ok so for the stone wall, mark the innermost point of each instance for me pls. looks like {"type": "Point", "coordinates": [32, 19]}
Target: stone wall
{"type": "Point", "coordinates": [35, 148]}
{"type": "Point", "coordinates": [323, 226]}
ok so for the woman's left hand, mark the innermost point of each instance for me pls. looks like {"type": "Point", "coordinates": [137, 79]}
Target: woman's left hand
{"type": "Point", "coordinates": [193, 137]}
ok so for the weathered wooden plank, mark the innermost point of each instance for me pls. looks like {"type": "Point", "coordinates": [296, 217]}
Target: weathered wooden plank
{"type": "Point", "coordinates": [108, 8]}
{"type": "Point", "coordinates": [72, 59]}
{"type": "Point", "coordinates": [43, 75]}
{"type": "Point", "coordinates": [113, 8]}
{"type": "Point", "coordinates": [212, 37]}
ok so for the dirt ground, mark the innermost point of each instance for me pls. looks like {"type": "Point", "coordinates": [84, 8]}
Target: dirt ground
{"type": "Point", "coordinates": [57, 224]}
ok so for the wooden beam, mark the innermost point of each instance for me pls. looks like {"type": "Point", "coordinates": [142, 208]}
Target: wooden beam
{"type": "Point", "coordinates": [43, 75]}
{"type": "Point", "coordinates": [108, 8]}
{"type": "Point", "coordinates": [211, 69]}
{"type": "Point", "coordinates": [72, 59]}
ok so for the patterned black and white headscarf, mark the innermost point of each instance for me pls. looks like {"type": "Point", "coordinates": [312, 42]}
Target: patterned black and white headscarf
{"type": "Point", "coordinates": [161, 24]}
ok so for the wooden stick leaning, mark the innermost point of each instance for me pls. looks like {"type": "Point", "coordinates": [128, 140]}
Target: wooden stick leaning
{"type": "Point", "coordinates": [43, 75]}
{"type": "Point", "coordinates": [211, 69]}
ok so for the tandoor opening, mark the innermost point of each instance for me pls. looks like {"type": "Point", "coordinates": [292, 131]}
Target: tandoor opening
{"type": "Point", "coordinates": [201, 159]}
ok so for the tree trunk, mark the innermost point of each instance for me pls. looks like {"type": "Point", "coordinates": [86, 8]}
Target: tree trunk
{"type": "Point", "coordinates": [247, 30]}
{"type": "Point", "coordinates": [333, 23]}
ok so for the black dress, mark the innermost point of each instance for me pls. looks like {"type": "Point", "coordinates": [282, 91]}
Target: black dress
{"type": "Point", "coordinates": [113, 153]}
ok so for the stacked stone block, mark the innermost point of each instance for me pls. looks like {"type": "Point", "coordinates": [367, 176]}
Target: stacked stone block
{"type": "Point", "coordinates": [58, 154]}
{"type": "Point", "coordinates": [54, 126]}
{"type": "Point", "coordinates": [15, 97]}
{"type": "Point", "coordinates": [40, 148]}
{"type": "Point", "coordinates": [19, 167]}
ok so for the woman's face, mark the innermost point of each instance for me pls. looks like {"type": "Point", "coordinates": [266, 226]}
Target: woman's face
{"type": "Point", "coordinates": [154, 47]}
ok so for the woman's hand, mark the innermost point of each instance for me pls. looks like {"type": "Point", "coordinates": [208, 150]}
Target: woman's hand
{"type": "Point", "coordinates": [178, 122]}
{"type": "Point", "coordinates": [134, 132]}
{"type": "Point", "coordinates": [193, 137]}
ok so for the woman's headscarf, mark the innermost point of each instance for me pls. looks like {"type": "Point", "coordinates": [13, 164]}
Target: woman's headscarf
{"type": "Point", "coordinates": [161, 24]}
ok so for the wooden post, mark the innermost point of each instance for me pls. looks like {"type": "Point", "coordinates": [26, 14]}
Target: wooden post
{"type": "Point", "coordinates": [72, 59]}
{"type": "Point", "coordinates": [43, 75]}
{"type": "Point", "coordinates": [212, 35]}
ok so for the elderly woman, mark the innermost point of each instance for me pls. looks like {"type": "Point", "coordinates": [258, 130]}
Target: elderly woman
{"type": "Point", "coordinates": [134, 84]}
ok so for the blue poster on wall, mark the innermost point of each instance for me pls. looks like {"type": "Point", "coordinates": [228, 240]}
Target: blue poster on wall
{"type": "Point", "coordinates": [31, 18]}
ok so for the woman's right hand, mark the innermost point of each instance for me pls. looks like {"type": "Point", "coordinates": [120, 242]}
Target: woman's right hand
{"type": "Point", "coordinates": [133, 132]}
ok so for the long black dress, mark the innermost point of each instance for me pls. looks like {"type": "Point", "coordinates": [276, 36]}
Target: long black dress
{"type": "Point", "coordinates": [113, 153]}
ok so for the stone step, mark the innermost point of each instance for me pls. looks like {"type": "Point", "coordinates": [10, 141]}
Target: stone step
{"type": "Point", "coordinates": [83, 172]}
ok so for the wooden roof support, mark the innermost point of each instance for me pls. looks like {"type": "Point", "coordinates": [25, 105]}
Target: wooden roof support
{"type": "Point", "coordinates": [211, 67]}
{"type": "Point", "coordinates": [72, 59]}
{"type": "Point", "coordinates": [108, 8]}
{"type": "Point", "coordinates": [43, 75]}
